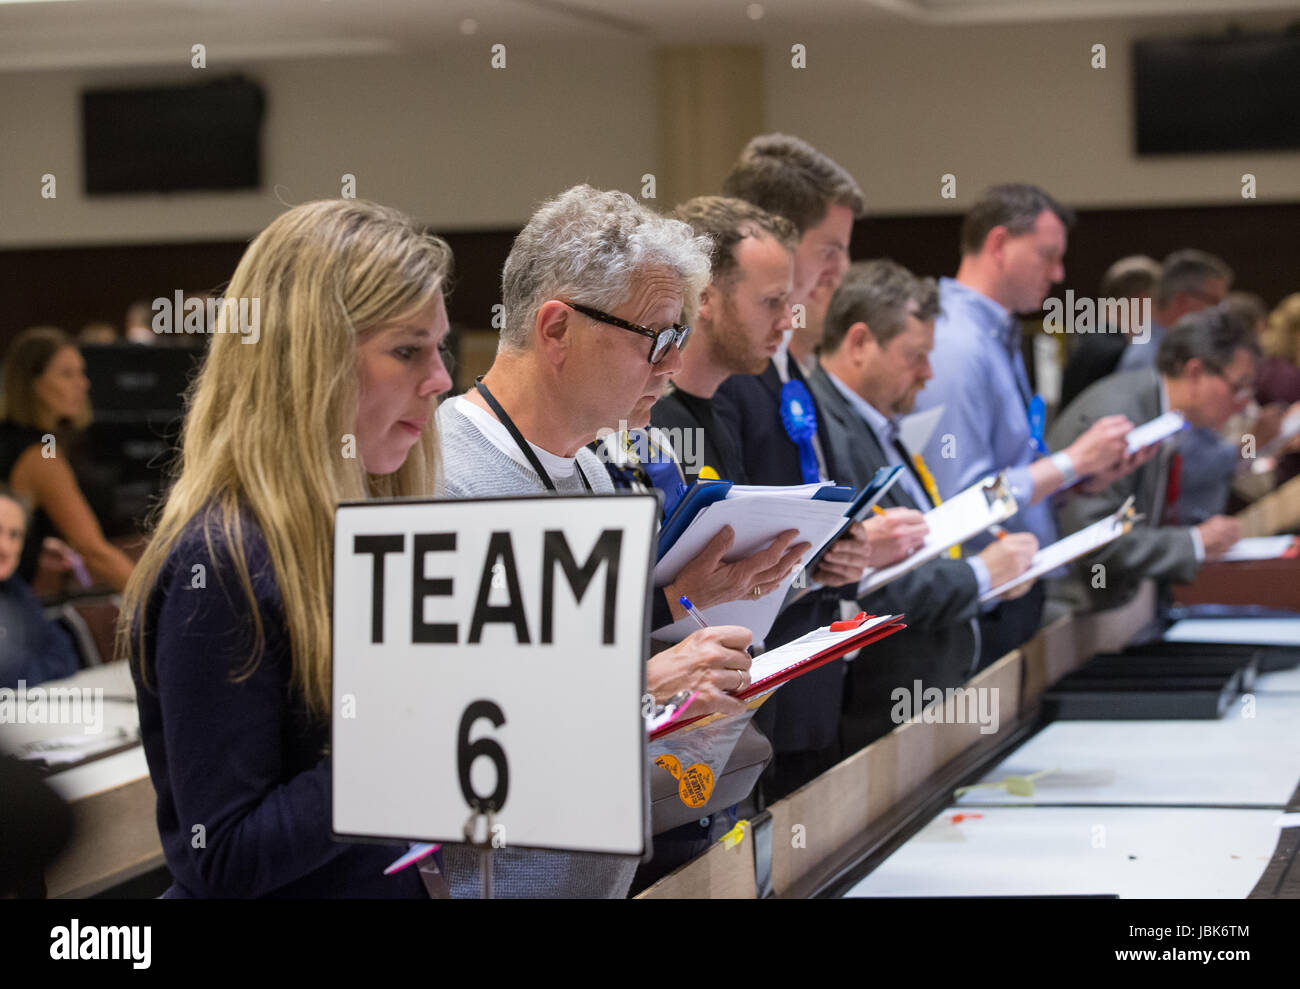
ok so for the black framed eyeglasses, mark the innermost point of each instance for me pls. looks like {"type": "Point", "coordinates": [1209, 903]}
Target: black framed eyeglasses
{"type": "Point", "coordinates": [663, 339]}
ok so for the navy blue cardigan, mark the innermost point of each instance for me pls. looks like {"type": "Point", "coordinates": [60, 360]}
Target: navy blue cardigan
{"type": "Point", "coordinates": [240, 768]}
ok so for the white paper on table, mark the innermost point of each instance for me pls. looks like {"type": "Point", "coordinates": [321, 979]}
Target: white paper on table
{"type": "Point", "coordinates": [1064, 551]}
{"type": "Point", "coordinates": [985, 503]}
{"type": "Point", "coordinates": [1247, 631]}
{"type": "Point", "coordinates": [756, 522]}
{"type": "Point", "coordinates": [1158, 429]}
{"type": "Point", "coordinates": [1259, 548]}
{"type": "Point", "coordinates": [914, 431]}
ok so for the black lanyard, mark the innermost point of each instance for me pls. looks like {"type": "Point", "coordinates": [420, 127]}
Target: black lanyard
{"type": "Point", "coordinates": [518, 437]}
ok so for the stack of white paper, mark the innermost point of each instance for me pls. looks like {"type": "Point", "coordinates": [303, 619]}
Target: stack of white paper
{"type": "Point", "coordinates": [757, 515]}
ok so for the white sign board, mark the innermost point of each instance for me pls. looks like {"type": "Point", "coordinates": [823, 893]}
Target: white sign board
{"type": "Point", "coordinates": [493, 652]}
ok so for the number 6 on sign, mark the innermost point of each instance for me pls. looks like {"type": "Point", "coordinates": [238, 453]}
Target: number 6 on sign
{"type": "Point", "coordinates": [467, 752]}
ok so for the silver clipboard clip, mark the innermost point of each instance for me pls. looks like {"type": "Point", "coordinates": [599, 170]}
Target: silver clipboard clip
{"type": "Point", "coordinates": [997, 491]}
{"type": "Point", "coordinates": [1125, 514]}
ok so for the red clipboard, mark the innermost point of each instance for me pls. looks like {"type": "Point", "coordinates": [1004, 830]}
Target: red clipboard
{"type": "Point", "coordinates": [837, 651]}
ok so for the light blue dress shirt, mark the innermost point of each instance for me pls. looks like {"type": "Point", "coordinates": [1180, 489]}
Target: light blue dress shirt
{"type": "Point", "coordinates": [980, 379]}
{"type": "Point", "coordinates": [886, 432]}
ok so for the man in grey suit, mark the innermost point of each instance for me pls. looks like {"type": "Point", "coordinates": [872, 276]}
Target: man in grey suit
{"type": "Point", "coordinates": [1205, 369]}
{"type": "Point", "coordinates": [874, 359]}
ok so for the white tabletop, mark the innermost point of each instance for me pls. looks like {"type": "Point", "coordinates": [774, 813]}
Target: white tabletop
{"type": "Point", "coordinates": [1237, 760]}
{"type": "Point", "coordinates": [108, 718]}
{"type": "Point", "coordinates": [1131, 852]}
{"type": "Point", "coordinates": [1217, 787]}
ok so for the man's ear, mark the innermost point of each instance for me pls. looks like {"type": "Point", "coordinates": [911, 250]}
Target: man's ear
{"type": "Point", "coordinates": [553, 330]}
{"type": "Point", "coordinates": [996, 241]}
{"type": "Point", "coordinates": [860, 340]}
{"type": "Point", "coordinates": [709, 299]}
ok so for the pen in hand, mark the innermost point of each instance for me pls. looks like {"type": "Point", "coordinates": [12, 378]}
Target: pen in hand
{"type": "Point", "coordinates": [694, 612]}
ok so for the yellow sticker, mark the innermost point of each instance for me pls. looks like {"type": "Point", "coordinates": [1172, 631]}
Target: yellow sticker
{"type": "Point", "coordinates": [707, 473]}
{"type": "Point", "coordinates": [696, 785]}
{"type": "Point", "coordinates": [671, 763]}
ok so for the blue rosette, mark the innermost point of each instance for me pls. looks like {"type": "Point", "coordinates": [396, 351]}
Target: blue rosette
{"type": "Point", "coordinates": [799, 417]}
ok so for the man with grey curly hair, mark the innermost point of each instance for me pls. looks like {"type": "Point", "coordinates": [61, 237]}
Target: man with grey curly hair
{"type": "Point", "coordinates": [596, 288]}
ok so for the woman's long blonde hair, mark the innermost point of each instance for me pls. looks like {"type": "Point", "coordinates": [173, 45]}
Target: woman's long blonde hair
{"type": "Point", "coordinates": [270, 424]}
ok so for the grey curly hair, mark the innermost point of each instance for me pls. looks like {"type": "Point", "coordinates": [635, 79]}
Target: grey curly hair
{"type": "Point", "coordinates": [589, 245]}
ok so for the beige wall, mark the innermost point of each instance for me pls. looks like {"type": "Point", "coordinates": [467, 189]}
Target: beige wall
{"type": "Point", "coordinates": [905, 105]}
{"type": "Point", "coordinates": [462, 145]}
{"type": "Point", "coordinates": [448, 139]}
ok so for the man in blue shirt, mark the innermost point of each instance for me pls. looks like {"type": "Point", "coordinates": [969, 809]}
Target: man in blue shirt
{"type": "Point", "coordinates": [1013, 244]}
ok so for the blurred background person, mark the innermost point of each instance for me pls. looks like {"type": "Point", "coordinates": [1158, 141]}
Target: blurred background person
{"type": "Point", "coordinates": [97, 334]}
{"type": "Point", "coordinates": [44, 403]}
{"type": "Point", "coordinates": [1205, 370]}
{"type": "Point", "coordinates": [138, 327]}
{"type": "Point", "coordinates": [1096, 355]}
{"type": "Point", "coordinates": [32, 649]}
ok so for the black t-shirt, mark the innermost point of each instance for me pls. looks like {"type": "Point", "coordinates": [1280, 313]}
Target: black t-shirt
{"type": "Point", "coordinates": [699, 437]}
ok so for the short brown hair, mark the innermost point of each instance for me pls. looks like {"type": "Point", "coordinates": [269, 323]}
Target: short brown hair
{"type": "Point", "coordinates": [1187, 271]}
{"type": "Point", "coordinates": [1014, 205]}
{"type": "Point", "coordinates": [1130, 277]}
{"type": "Point", "coordinates": [727, 221]}
{"type": "Point", "coordinates": [877, 293]}
{"type": "Point", "coordinates": [1214, 335]}
{"type": "Point", "coordinates": [29, 355]}
{"type": "Point", "coordinates": [789, 177]}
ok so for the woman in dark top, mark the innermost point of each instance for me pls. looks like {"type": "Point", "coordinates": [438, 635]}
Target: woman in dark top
{"type": "Point", "coordinates": [46, 395]}
{"type": "Point", "coordinates": [227, 616]}
{"type": "Point", "coordinates": [32, 649]}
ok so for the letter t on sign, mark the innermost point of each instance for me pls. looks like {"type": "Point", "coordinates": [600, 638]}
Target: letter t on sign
{"type": "Point", "coordinates": [379, 547]}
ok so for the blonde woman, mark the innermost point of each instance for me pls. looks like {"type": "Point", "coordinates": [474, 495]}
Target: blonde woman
{"type": "Point", "coordinates": [45, 398]}
{"type": "Point", "coordinates": [227, 615]}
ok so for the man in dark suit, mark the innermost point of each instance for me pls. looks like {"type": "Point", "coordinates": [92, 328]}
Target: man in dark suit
{"type": "Point", "coordinates": [1205, 369]}
{"type": "Point", "coordinates": [874, 359]}
{"type": "Point", "coordinates": [781, 440]}
{"type": "Point", "coordinates": [1095, 355]}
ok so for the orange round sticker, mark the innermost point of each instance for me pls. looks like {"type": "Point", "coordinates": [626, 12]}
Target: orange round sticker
{"type": "Point", "coordinates": [671, 763]}
{"type": "Point", "coordinates": [696, 785]}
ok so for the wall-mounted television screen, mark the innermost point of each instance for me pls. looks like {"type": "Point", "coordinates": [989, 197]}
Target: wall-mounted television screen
{"type": "Point", "coordinates": [173, 139]}
{"type": "Point", "coordinates": [1239, 92]}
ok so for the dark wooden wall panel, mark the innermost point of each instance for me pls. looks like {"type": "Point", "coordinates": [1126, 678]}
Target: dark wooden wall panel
{"type": "Point", "coordinates": [70, 286]}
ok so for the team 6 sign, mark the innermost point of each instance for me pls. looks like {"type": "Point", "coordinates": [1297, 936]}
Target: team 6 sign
{"type": "Point", "coordinates": [489, 655]}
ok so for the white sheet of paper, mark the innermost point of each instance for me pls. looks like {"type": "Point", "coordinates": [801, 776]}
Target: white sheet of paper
{"type": "Point", "coordinates": [915, 430]}
{"type": "Point", "coordinates": [1160, 428]}
{"type": "Point", "coordinates": [756, 522]}
{"type": "Point", "coordinates": [796, 651]}
{"type": "Point", "coordinates": [956, 520]}
{"type": "Point", "coordinates": [1252, 631]}
{"type": "Point", "coordinates": [1063, 551]}
{"type": "Point", "coordinates": [1259, 548]}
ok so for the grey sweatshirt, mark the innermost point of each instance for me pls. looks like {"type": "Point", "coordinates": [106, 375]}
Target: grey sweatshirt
{"type": "Point", "coordinates": [474, 467]}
